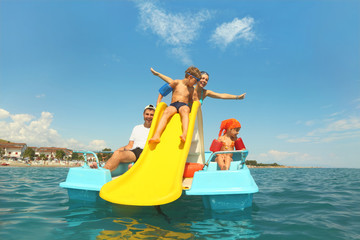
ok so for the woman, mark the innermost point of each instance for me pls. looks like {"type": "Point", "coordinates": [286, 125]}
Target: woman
{"type": "Point", "coordinates": [201, 92]}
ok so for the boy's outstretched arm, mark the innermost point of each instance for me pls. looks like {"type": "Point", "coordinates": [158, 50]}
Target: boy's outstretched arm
{"type": "Point", "coordinates": [162, 76]}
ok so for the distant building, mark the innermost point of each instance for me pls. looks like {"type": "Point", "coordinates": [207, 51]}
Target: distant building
{"type": "Point", "coordinates": [89, 156]}
{"type": "Point", "coordinates": [50, 152]}
{"type": "Point", "coordinates": [16, 151]}
{"type": "Point", "coordinates": [13, 150]}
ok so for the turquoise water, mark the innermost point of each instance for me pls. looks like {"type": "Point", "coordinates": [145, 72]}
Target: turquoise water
{"type": "Point", "coordinates": [291, 204]}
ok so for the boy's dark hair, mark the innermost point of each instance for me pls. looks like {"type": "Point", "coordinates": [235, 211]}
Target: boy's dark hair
{"type": "Point", "coordinates": [194, 71]}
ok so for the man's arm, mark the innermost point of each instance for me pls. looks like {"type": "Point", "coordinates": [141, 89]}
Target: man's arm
{"type": "Point", "coordinates": [162, 76]}
{"type": "Point", "coordinates": [127, 147]}
{"type": "Point", "coordinates": [224, 95]}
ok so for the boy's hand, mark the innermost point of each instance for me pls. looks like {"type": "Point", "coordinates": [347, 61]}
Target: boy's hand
{"type": "Point", "coordinates": [154, 72]}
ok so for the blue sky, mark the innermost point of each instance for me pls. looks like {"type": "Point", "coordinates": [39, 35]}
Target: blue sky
{"type": "Point", "coordinates": [76, 74]}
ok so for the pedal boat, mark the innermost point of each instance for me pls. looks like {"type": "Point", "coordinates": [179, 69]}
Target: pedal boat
{"type": "Point", "coordinates": [232, 189]}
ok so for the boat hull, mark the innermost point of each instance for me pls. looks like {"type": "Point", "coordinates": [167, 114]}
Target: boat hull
{"type": "Point", "coordinates": [84, 183]}
{"type": "Point", "coordinates": [220, 190]}
{"type": "Point", "coordinates": [223, 190]}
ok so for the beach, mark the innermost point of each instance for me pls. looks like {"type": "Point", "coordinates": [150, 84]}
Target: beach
{"type": "Point", "coordinates": [40, 163]}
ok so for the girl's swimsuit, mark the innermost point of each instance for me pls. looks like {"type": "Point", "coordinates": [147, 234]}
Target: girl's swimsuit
{"type": "Point", "coordinates": [231, 146]}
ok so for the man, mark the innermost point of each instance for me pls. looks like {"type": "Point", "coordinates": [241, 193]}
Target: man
{"type": "Point", "coordinates": [131, 152]}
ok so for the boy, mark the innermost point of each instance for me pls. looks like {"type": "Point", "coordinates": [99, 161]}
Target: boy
{"type": "Point", "coordinates": [183, 91]}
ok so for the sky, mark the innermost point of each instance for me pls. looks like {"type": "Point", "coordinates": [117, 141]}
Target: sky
{"type": "Point", "coordinates": [76, 74]}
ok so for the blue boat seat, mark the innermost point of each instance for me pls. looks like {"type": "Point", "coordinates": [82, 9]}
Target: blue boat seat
{"type": "Point", "coordinates": [237, 163]}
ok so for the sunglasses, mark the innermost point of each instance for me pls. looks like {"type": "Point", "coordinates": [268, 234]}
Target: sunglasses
{"type": "Point", "coordinates": [197, 79]}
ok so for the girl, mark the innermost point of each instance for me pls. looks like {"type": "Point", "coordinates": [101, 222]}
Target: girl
{"type": "Point", "coordinates": [229, 130]}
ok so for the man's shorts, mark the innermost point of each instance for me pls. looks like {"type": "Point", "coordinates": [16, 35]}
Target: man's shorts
{"type": "Point", "coordinates": [137, 151]}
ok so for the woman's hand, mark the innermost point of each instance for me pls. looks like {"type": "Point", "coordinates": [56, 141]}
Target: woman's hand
{"type": "Point", "coordinates": [242, 96]}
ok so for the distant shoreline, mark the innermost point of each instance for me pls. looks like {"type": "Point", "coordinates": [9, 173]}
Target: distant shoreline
{"type": "Point", "coordinates": [65, 164]}
{"type": "Point", "coordinates": [250, 166]}
{"type": "Point", "coordinates": [17, 164]}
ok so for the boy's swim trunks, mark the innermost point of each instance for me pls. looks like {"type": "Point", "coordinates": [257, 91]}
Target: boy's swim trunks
{"type": "Point", "coordinates": [178, 105]}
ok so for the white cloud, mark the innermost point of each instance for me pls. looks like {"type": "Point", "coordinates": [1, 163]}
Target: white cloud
{"type": "Point", "coordinates": [40, 95]}
{"type": "Point", "coordinates": [327, 106]}
{"type": "Point", "coordinates": [97, 145]}
{"type": "Point", "coordinates": [283, 136]}
{"type": "Point", "coordinates": [310, 123]}
{"type": "Point", "coordinates": [4, 114]}
{"type": "Point", "coordinates": [28, 129]}
{"type": "Point", "coordinates": [327, 159]}
{"type": "Point", "coordinates": [176, 30]}
{"type": "Point", "coordinates": [336, 114]}
{"type": "Point", "coordinates": [357, 102]}
{"type": "Point", "coordinates": [287, 158]}
{"type": "Point", "coordinates": [351, 123]}
{"type": "Point", "coordinates": [334, 130]}
{"type": "Point", "coordinates": [300, 140]}
{"type": "Point", "coordinates": [284, 155]}
{"type": "Point", "coordinates": [229, 32]}
{"type": "Point", "coordinates": [20, 118]}
{"type": "Point", "coordinates": [182, 54]}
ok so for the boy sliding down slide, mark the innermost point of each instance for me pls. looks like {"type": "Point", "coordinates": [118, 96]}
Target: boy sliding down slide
{"type": "Point", "coordinates": [183, 94]}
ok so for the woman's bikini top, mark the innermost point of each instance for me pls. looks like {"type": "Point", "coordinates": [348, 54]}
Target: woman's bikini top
{"type": "Point", "coordinates": [201, 97]}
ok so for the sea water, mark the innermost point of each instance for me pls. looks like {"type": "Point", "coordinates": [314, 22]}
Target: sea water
{"type": "Point", "coordinates": [291, 204]}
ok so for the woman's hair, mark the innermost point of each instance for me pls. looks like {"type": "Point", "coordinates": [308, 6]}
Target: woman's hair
{"type": "Point", "coordinates": [203, 72]}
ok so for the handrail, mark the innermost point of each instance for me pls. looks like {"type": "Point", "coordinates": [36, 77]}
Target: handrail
{"type": "Point", "coordinates": [242, 153]}
{"type": "Point", "coordinates": [93, 153]}
{"type": "Point", "coordinates": [85, 157]}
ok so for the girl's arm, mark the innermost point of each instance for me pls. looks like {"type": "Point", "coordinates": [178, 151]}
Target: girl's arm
{"type": "Point", "coordinates": [224, 95]}
{"type": "Point", "coordinates": [163, 77]}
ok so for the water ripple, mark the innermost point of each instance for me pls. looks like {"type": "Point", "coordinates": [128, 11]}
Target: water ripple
{"type": "Point", "coordinates": [291, 204]}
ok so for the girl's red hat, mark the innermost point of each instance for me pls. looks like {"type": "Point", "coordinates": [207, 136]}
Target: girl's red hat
{"type": "Point", "coordinates": [228, 124]}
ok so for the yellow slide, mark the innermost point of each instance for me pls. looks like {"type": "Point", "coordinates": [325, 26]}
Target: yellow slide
{"type": "Point", "coordinates": [156, 178]}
